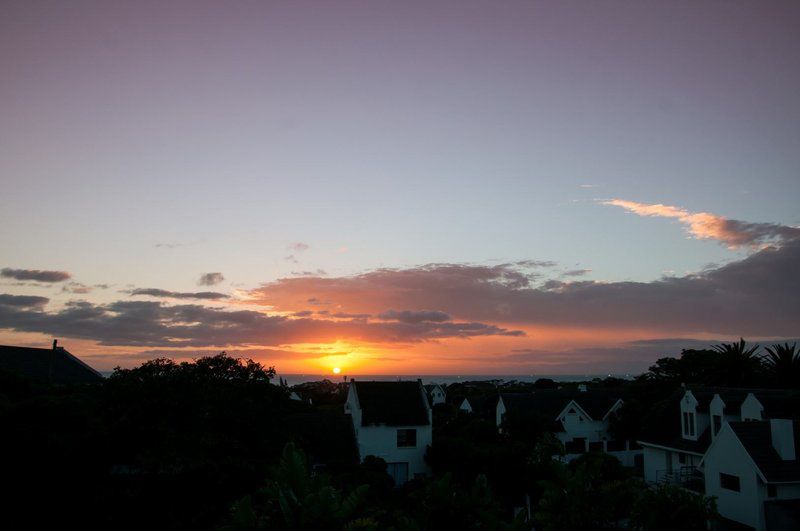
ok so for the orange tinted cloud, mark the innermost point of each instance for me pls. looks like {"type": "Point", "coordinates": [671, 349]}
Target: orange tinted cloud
{"type": "Point", "coordinates": [704, 225]}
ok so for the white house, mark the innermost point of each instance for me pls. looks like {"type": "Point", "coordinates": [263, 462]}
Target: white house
{"type": "Point", "coordinates": [579, 418]}
{"type": "Point", "coordinates": [436, 394]}
{"type": "Point", "coordinates": [393, 421]}
{"type": "Point", "coordinates": [752, 468]}
{"type": "Point", "coordinates": [674, 455]}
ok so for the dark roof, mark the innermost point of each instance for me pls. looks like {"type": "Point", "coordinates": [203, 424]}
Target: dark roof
{"type": "Point", "coordinates": [679, 443]}
{"type": "Point", "coordinates": [756, 437]}
{"type": "Point", "coordinates": [778, 403]}
{"type": "Point", "coordinates": [392, 403]}
{"type": "Point", "coordinates": [484, 406]}
{"type": "Point", "coordinates": [548, 403]}
{"type": "Point", "coordinates": [46, 365]}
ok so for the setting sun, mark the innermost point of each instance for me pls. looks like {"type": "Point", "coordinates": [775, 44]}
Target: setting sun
{"type": "Point", "coordinates": [336, 370]}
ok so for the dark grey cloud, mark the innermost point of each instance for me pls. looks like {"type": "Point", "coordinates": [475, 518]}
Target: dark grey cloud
{"type": "Point", "coordinates": [755, 296]}
{"type": "Point", "coordinates": [344, 315]}
{"type": "Point", "coordinates": [155, 292]}
{"type": "Point", "coordinates": [153, 324]}
{"type": "Point", "coordinates": [210, 279]}
{"type": "Point", "coordinates": [22, 301]}
{"type": "Point", "coordinates": [407, 316]}
{"type": "Point", "coordinates": [632, 357]}
{"type": "Point", "coordinates": [576, 273]}
{"type": "Point", "coordinates": [37, 275]}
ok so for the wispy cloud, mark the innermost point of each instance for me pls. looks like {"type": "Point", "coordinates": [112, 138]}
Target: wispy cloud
{"type": "Point", "coordinates": [37, 275]}
{"type": "Point", "coordinates": [155, 292]}
{"type": "Point", "coordinates": [704, 225]}
{"type": "Point", "coordinates": [298, 247]}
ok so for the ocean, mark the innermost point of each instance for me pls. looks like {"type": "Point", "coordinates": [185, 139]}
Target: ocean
{"type": "Point", "coordinates": [294, 379]}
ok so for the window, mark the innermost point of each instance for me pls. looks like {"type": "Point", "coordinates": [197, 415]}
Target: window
{"type": "Point", "coordinates": [772, 491]}
{"type": "Point", "coordinates": [729, 482]}
{"type": "Point", "coordinates": [717, 423]}
{"type": "Point", "coordinates": [406, 438]}
{"type": "Point", "coordinates": [682, 459]}
{"type": "Point", "coordinates": [688, 424]}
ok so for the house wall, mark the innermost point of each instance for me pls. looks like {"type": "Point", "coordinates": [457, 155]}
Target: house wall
{"type": "Point", "coordinates": [655, 459]}
{"type": "Point", "coordinates": [592, 430]}
{"type": "Point", "coordinates": [437, 396]}
{"type": "Point", "coordinates": [728, 456]}
{"type": "Point", "coordinates": [500, 411]}
{"type": "Point", "coordinates": [751, 408]}
{"type": "Point", "coordinates": [381, 441]}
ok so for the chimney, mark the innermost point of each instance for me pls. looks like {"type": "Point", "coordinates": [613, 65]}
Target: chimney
{"type": "Point", "coordinates": [782, 432]}
{"type": "Point", "coordinates": [55, 344]}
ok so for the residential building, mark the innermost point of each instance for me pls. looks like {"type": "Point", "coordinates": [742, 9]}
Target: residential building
{"type": "Point", "coordinates": [46, 365]}
{"type": "Point", "coordinates": [753, 471]}
{"type": "Point", "coordinates": [393, 421]}
{"type": "Point", "coordinates": [436, 394]}
{"type": "Point", "coordinates": [673, 453]}
{"type": "Point", "coordinates": [579, 418]}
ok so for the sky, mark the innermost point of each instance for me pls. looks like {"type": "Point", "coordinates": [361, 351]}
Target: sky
{"type": "Point", "coordinates": [439, 187]}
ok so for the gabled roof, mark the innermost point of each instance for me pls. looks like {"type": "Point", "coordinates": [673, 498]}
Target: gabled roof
{"type": "Point", "coordinates": [550, 403]}
{"type": "Point", "coordinates": [756, 437]}
{"type": "Point", "coordinates": [778, 403]}
{"type": "Point", "coordinates": [392, 403]}
{"type": "Point", "coordinates": [46, 365]}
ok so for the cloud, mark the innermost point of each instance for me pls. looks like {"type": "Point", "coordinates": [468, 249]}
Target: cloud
{"type": "Point", "coordinates": [169, 245]}
{"type": "Point", "coordinates": [76, 287]}
{"type": "Point", "coordinates": [703, 225]}
{"type": "Point", "coordinates": [35, 274]}
{"type": "Point", "coordinates": [155, 292]}
{"type": "Point", "coordinates": [576, 273]}
{"type": "Point", "coordinates": [22, 301]}
{"type": "Point", "coordinates": [407, 316]}
{"type": "Point", "coordinates": [153, 324]}
{"type": "Point", "coordinates": [210, 279]}
{"type": "Point", "coordinates": [317, 273]}
{"type": "Point", "coordinates": [298, 247]}
{"type": "Point", "coordinates": [753, 296]}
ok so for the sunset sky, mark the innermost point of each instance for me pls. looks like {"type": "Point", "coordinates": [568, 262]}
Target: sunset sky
{"type": "Point", "coordinates": [438, 187]}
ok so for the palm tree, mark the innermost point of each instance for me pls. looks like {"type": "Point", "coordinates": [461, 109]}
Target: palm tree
{"type": "Point", "coordinates": [740, 364]}
{"type": "Point", "coordinates": [783, 363]}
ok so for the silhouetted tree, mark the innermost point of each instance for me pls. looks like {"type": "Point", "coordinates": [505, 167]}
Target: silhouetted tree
{"type": "Point", "coordinates": [668, 507]}
{"type": "Point", "coordinates": [783, 364]}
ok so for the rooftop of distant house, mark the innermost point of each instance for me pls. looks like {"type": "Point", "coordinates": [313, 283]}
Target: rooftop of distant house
{"type": "Point", "coordinates": [392, 403]}
{"type": "Point", "coordinates": [46, 365]}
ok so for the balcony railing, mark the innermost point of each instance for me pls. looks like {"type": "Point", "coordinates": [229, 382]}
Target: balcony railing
{"type": "Point", "coordinates": [687, 477]}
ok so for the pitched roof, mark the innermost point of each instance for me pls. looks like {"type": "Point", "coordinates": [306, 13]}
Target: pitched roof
{"type": "Point", "coordinates": [392, 403]}
{"type": "Point", "coordinates": [756, 437]}
{"type": "Point", "coordinates": [46, 365]}
{"type": "Point", "coordinates": [677, 442]}
{"type": "Point", "coordinates": [548, 403]}
{"type": "Point", "coordinates": [778, 403]}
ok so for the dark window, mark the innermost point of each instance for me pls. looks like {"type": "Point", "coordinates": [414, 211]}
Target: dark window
{"type": "Point", "coordinates": [406, 438]}
{"type": "Point", "coordinates": [685, 423]}
{"type": "Point", "coordinates": [729, 482]}
{"type": "Point", "coordinates": [717, 423]}
{"type": "Point", "coordinates": [571, 411]}
{"type": "Point", "coordinates": [399, 472]}
{"type": "Point", "coordinates": [772, 491]}
{"type": "Point", "coordinates": [691, 424]}
{"type": "Point", "coordinates": [682, 459]}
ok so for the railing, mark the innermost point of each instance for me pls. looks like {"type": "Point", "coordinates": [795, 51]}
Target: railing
{"type": "Point", "coordinates": [687, 477]}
